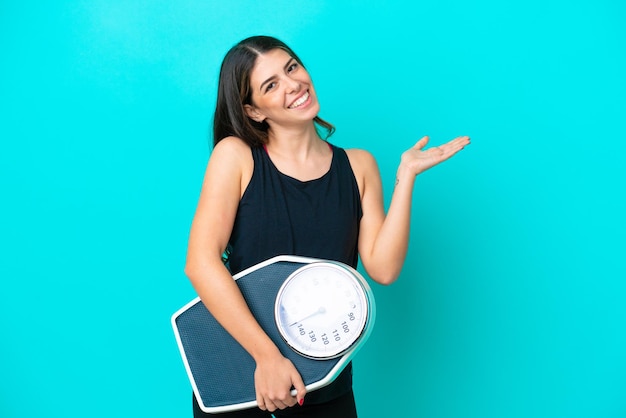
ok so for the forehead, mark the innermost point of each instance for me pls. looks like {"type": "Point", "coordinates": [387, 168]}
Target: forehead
{"type": "Point", "coordinates": [268, 64]}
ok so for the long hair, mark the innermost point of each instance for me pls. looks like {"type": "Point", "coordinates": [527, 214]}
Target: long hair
{"type": "Point", "coordinates": [233, 92]}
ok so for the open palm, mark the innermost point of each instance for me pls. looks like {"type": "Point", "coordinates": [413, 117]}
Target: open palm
{"type": "Point", "coordinates": [420, 160]}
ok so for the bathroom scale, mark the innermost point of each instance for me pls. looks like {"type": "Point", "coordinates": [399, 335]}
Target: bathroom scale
{"type": "Point", "coordinates": [319, 313]}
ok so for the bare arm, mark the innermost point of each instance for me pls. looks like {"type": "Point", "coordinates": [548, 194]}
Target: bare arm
{"type": "Point", "coordinates": [383, 240]}
{"type": "Point", "coordinates": [227, 174]}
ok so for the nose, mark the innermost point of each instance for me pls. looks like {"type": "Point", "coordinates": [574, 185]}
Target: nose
{"type": "Point", "coordinates": [292, 85]}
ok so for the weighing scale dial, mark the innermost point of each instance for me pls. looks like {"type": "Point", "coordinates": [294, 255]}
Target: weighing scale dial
{"type": "Point", "coordinates": [322, 309]}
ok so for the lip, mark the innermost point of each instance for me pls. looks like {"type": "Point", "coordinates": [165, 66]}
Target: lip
{"type": "Point", "coordinates": [305, 104]}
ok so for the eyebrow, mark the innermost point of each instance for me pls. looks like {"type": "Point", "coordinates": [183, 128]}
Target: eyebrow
{"type": "Point", "coordinates": [274, 76]}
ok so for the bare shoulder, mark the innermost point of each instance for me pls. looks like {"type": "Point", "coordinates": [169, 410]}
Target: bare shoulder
{"type": "Point", "coordinates": [231, 146]}
{"type": "Point", "coordinates": [232, 153]}
{"type": "Point", "coordinates": [362, 161]}
{"type": "Point", "coordinates": [365, 169]}
{"type": "Point", "coordinates": [231, 161]}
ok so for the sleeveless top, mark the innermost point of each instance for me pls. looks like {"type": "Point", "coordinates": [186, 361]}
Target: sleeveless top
{"type": "Point", "coordinates": [280, 215]}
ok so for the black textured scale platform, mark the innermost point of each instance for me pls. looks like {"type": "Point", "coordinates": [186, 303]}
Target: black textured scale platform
{"type": "Point", "coordinates": [220, 370]}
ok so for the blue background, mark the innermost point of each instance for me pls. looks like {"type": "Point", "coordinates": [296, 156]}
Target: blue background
{"type": "Point", "coordinates": [511, 303]}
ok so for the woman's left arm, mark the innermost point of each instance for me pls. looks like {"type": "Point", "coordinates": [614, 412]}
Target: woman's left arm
{"type": "Point", "coordinates": [383, 239]}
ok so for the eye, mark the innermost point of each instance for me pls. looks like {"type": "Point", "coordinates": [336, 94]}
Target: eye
{"type": "Point", "coordinates": [270, 86]}
{"type": "Point", "coordinates": [292, 67]}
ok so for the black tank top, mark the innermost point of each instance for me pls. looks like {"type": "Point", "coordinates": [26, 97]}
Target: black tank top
{"type": "Point", "coordinates": [279, 214]}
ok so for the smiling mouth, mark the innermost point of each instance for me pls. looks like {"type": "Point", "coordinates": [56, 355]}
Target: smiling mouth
{"type": "Point", "coordinates": [300, 101]}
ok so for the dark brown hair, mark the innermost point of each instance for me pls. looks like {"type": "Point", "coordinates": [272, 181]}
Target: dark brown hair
{"type": "Point", "coordinates": [233, 92]}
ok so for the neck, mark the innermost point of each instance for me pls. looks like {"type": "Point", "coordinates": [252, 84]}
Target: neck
{"type": "Point", "coordinates": [293, 141]}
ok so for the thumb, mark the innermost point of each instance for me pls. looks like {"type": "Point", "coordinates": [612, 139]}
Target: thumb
{"type": "Point", "coordinates": [421, 143]}
{"type": "Point", "coordinates": [298, 385]}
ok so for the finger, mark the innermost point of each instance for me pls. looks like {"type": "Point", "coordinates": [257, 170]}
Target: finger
{"type": "Point", "coordinates": [280, 404]}
{"type": "Point", "coordinates": [461, 141]}
{"type": "Point", "coordinates": [298, 384]}
{"type": "Point", "coordinates": [450, 149]}
{"type": "Point", "coordinates": [421, 143]}
{"type": "Point", "coordinates": [260, 402]}
{"type": "Point", "coordinates": [266, 403]}
{"type": "Point", "coordinates": [270, 406]}
{"type": "Point", "coordinates": [288, 400]}
{"type": "Point", "coordinates": [455, 145]}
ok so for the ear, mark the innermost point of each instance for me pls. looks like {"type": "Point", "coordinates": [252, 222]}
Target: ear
{"type": "Point", "coordinates": [253, 113]}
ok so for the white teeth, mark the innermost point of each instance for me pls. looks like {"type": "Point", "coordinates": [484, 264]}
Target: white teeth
{"type": "Point", "coordinates": [301, 100]}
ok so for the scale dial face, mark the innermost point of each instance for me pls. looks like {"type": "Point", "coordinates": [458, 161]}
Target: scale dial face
{"type": "Point", "coordinates": [321, 310]}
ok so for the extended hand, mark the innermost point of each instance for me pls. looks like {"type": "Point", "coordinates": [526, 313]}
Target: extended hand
{"type": "Point", "coordinates": [419, 160]}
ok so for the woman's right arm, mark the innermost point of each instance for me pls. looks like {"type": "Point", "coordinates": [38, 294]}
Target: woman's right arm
{"type": "Point", "coordinates": [228, 171]}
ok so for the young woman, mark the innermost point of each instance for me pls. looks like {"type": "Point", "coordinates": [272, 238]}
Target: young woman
{"type": "Point", "coordinates": [273, 186]}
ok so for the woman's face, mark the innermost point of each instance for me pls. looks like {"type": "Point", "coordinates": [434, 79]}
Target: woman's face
{"type": "Point", "coordinates": [282, 90]}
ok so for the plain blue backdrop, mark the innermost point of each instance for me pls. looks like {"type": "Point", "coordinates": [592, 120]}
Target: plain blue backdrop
{"type": "Point", "coordinates": [511, 303]}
